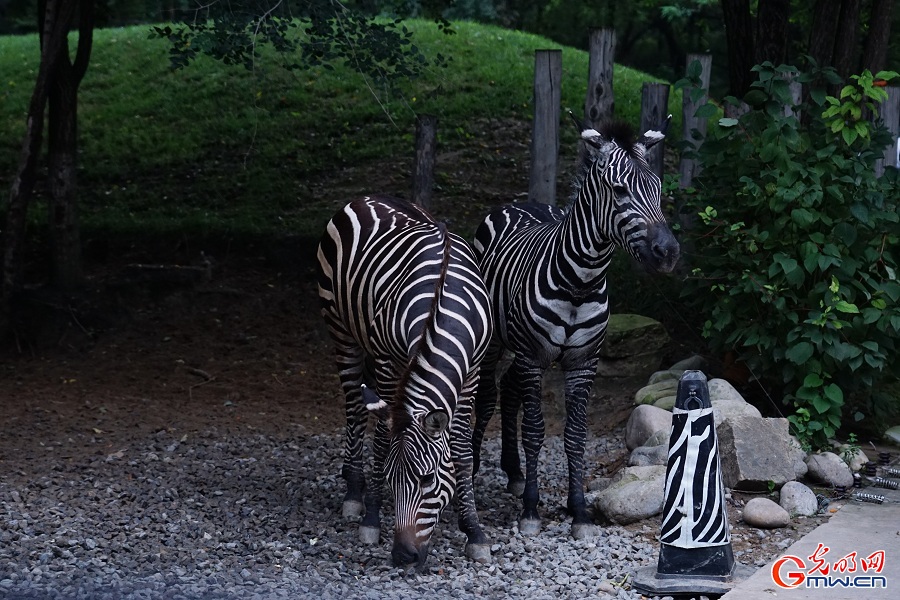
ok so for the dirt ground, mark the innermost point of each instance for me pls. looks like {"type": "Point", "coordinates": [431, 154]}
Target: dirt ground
{"type": "Point", "coordinates": [244, 351]}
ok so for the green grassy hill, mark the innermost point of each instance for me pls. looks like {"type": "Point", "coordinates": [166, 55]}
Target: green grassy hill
{"type": "Point", "coordinates": [224, 151]}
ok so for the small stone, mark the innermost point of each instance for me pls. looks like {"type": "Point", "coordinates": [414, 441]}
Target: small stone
{"type": "Point", "coordinates": [797, 499]}
{"type": "Point", "coordinates": [766, 514]}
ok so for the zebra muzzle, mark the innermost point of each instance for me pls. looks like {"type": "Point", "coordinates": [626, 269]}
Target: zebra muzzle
{"type": "Point", "coordinates": [406, 553]}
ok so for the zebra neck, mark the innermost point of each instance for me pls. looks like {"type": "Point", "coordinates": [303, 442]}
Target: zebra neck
{"type": "Point", "coordinates": [583, 244]}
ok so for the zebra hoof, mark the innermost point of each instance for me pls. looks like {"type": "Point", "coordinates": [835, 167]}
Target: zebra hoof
{"type": "Point", "coordinates": [352, 508]}
{"type": "Point", "coordinates": [369, 535]}
{"type": "Point", "coordinates": [516, 488]}
{"type": "Point", "coordinates": [480, 553]}
{"type": "Point", "coordinates": [584, 531]}
{"type": "Point", "coordinates": [530, 526]}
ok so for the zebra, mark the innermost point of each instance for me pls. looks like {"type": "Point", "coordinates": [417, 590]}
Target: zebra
{"type": "Point", "coordinates": [545, 270]}
{"type": "Point", "coordinates": [408, 312]}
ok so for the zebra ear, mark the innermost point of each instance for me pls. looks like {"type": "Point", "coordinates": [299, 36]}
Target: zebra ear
{"type": "Point", "coordinates": [652, 137]}
{"type": "Point", "coordinates": [592, 137]}
{"type": "Point", "coordinates": [374, 404]}
{"type": "Point", "coordinates": [436, 422]}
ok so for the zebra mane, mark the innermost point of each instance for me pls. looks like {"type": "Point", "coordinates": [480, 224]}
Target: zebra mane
{"type": "Point", "coordinates": [399, 415]}
{"type": "Point", "coordinates": [615, 130]}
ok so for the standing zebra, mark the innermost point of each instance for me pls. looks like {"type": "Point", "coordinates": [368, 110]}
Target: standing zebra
{"type": "Point", "coordinates": [409, 315]}
{"type": "Point", "coordinates": [546, 274]}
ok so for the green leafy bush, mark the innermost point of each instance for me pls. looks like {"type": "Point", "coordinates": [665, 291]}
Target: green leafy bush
{"type": "Point", "coordinates": [794, 255]}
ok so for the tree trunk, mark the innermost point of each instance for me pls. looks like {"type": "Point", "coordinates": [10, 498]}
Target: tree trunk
{"type": "Point", "coordinates": [739, 37]}
{"type": "Point", "coordinates": [845, 51]}
{"type": "Point", "coordinates": [772, 31]}
{"type": "Point", "coordinates": [62, 138]}
{"type": "Point", "coordinates": [878, 39]}
{"type": "Point", "coordinates": [65, 237]}
{"type": "Point", "coordinates": [824, 27]}
{"type": "Point", "coordinates": [54, 17]}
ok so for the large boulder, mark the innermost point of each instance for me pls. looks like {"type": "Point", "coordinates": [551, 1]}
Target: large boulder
{"type": "Point", "coordinates": [728, 402]}
{"type": "Point", "coordinates": [633, 346]}
{"type": "Point", "coordinates": [755, 451]}
{"type": "Point", "coordinates": [644, 421]}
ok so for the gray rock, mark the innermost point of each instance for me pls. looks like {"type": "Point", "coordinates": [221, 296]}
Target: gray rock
{"type": "Point", "coordinates": [728, 402]}
{"type": "Point", "coordinates": [691, 363]}
{"type": "Point", "coordinates": [754, 451]}
{"type": "Point", "coordinates": [798, 457]}
{"type": "Point", "coordinates": [644, 456]}
{"type": "Point", "coordinates": [893, 435]}
{"type": "Point", "coordinates": [797, 499]}
{"type": "Point", "coordinates": [766, 514]}
{"type": "Point", "coordinates": [667, 375]}
{"type": "Point", "coordinates": [828, 467]}
{"type": "Point", "coordinates": [644, 421]}
{"type": "Point", "coordinates": [635, 494]}
{"type": "Point", "coordinates": [660, 438]}
{"type": "Point", "coordinates": [633, 346]}
{"type": "Point", "coordinates": [857, 460]}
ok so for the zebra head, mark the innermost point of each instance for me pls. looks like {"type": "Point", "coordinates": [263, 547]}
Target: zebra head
{"type": "Point", "coordinates": [419, 471]}
{"type": "Point", "coordinates": [624, 194]}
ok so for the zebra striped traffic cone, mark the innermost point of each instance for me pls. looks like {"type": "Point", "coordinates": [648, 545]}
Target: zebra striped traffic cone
{"type": "Point", "coordinates": [695, 553]}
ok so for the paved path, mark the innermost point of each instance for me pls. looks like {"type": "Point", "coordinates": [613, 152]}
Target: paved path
{"type": "Point", "coordinates": [858, 527]}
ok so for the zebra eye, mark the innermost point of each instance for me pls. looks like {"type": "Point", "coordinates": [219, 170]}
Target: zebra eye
{"type": "Point", "coordinates": [620, 190]}
{"type": "Point", "coordinates": [427, 480]}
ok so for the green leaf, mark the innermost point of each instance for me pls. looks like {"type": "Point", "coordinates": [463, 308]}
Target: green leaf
{"type": "Point", "coordinates": [835, 394]}
{"type": "Point", "coordinates": [846, 307]}
{"type": "Point", "coordinates": [755, 98]}
{"type": "Point", "coordinates": [727, 122]}
{"type": "Point", "coordinates": [813, 380]}
{"type": "Point", "coordinates": [800, 353]}
{"type": "Point", "coordinates": [802, 217]}
{"type": "Point", "coordinates": [706, 111]}
{"type": "Point", "coordinates": [821, 405]}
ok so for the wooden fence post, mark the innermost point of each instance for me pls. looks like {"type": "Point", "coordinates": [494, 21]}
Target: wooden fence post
{"type": "Point", "coordinates": [423, 168]}
{"type": "Point", "coordinates": [600, 101]}
{"type": "Point", "coordinates": [694, 129]}
{"type": "Point", "coordinates": [545, 135]}
{"type": "Point", "coordinates": [654, 109]}
{"type": "Point", "coordinates": [890, 115]}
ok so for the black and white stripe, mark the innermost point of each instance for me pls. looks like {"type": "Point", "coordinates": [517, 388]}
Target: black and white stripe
{"type": "Point", "coordinates": [410, 319]}
{"type": "Point", "coordinates": [694, 513]}
{"type": "Point", "coordinates": [545, 270]}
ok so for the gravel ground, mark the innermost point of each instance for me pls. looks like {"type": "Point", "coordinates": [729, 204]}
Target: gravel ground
{"type": "Point", "coordinates": [254, 516]}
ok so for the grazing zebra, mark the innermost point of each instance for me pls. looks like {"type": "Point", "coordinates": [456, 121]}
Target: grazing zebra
{"type": "Point", "coordinates": [546, 274]}
{"type": "Point", "coordinates": [409, 315]}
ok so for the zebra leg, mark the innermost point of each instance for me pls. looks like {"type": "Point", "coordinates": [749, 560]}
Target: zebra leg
{"type": "Point", "coordinates": [579, 382]}
{"type": "Point", "coordinates": [477, 546]}
{"type": "Point", "coordinates": [523, 380]}
{"type": "Point", "coordinates": [350, 359]}
{"type": "Point", "coordinates": [370, 525]}
{"type": "Point", "coordinates": [510, 404]}
{"type": "Point", "coordinates": [485, 400]}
